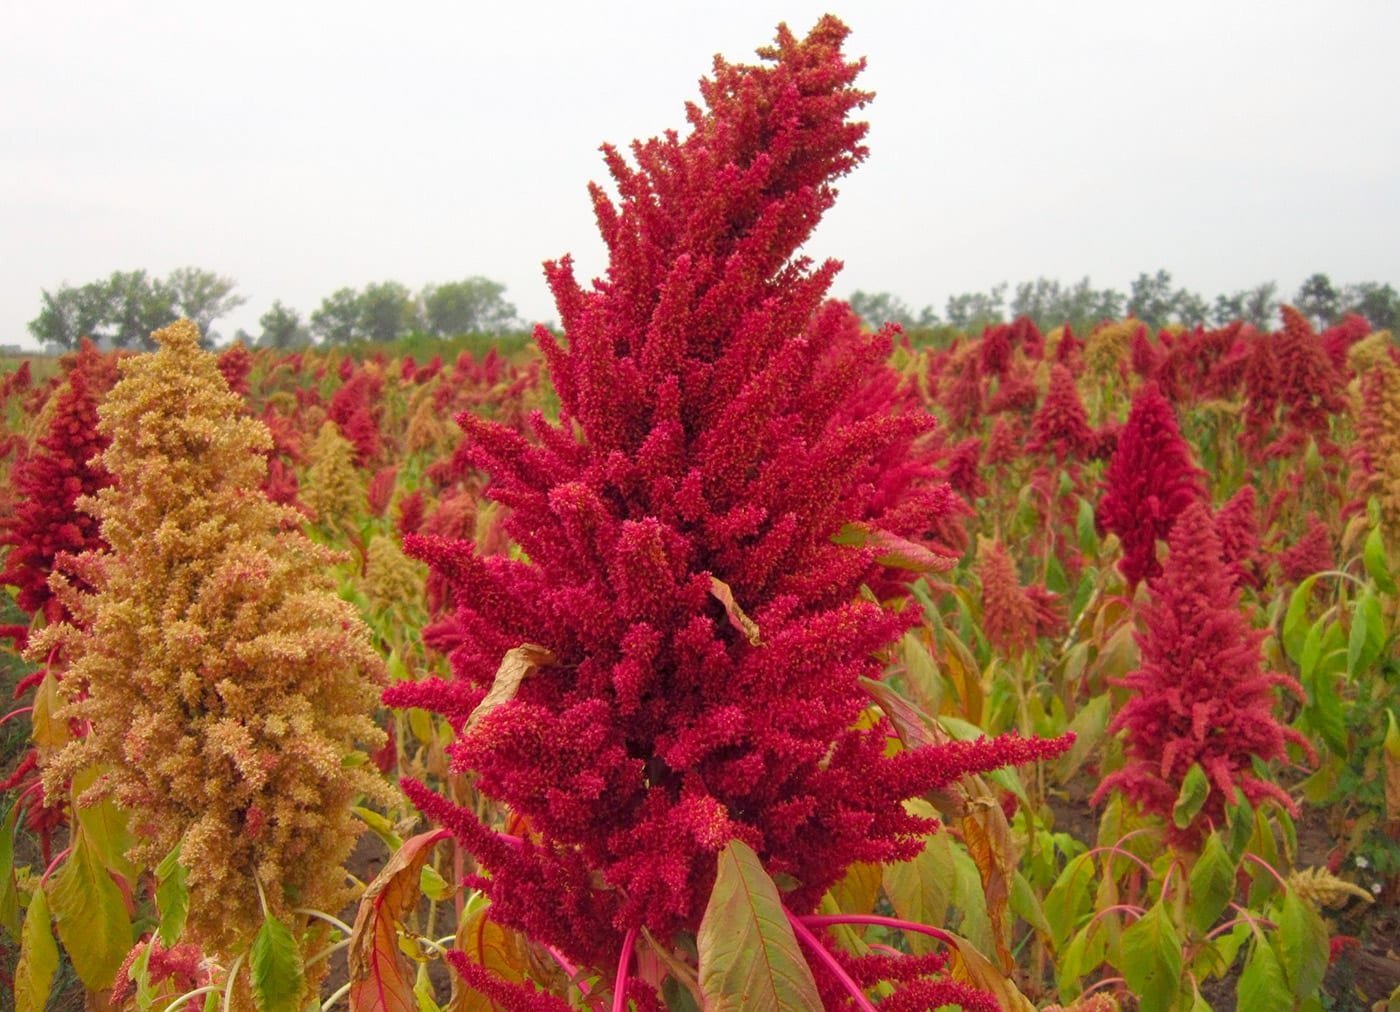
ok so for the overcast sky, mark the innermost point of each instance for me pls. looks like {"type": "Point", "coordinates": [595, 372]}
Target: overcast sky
{"type": "Point", "coordinates": [302, 147]}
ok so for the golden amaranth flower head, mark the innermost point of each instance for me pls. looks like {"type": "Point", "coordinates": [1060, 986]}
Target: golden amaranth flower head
{"type": "Point", "coordinates": [332, 487]}
{"type": "Point", "coordinates": [222, 680]}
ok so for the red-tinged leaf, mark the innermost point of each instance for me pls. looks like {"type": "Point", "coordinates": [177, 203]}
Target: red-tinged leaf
{"type": "Point", "coordinates": [517, 665]}
{"type": "Point", "coordinates": [381, 977]}
{"type": "Point", "coordinates": [740, 621]}
{"type": "Point", "coordinates": [749, 957]}
{"type": "Point", "coordinates": [91, 916]}
{"type": "Point", "coordinates": [892, 550]}
{"type": "Point", "coordinates": [968, 965]}
{"type": "Point", "coordinates": [501, 950]}
{"type": "Point", "coordinates": [987, 836]}
{"type": "Point", "coordinates": [38, 957]}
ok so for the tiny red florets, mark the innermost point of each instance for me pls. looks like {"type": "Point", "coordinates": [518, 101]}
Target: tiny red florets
{"type": "Point", "coordinates": [1200, 696]}
{"type": "Point", "coordinates": [1150, 479]}
{"type": "Point", "coordinates": [732, 461]}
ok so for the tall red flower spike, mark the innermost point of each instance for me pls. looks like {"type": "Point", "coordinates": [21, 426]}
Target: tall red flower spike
{"type": "Point", "coordinates": [699, 632]}
{"type": "Point", "coordinates": [62, 467]}
{"type": "Point", "coordinates": [1201, 696]}
{"type": "Point", "coordinates": [1061, 426]}
{"type": "Point", "coordinates": [1150, 479]}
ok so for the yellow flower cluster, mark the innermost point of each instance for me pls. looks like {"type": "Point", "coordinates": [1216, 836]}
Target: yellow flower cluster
{"type": "Point", "coordinates": [332, 488]}
{"type": "Point", "coordinates": [222, 682]}
{"type": "Point", "coordinates": [391, 577]}
{"type": "Point", "coordinates": [1109, 346]}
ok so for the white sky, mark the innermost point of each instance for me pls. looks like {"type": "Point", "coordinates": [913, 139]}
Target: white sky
{"type": "Point", "coordinates": [301, 147]}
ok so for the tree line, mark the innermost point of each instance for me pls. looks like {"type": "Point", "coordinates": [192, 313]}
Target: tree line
{"type": "Point", "coordinates": [123, 310]}
{"type": "Point", "coordinates": [1152, 298]}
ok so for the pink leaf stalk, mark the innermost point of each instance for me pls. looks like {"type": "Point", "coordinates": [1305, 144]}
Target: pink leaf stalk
{"type": "Point", "coordinates": [1150, 479]}
{"type": "Point", "coordinates": [719, 426]}
{"type": "Point", "coordinates": [1201, 695]}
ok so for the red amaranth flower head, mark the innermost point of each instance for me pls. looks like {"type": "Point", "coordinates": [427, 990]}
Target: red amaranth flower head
{"type": "Point", "coordinates": [355, 409]}
{"type": "Point", "coordinates": [1311, 388]}
{"type": "Point", "coordinates": [1150, 479]}
{"type": "Point", "coordinates": [1237, 526]}
{"type": "Point", "coordinates": [1311, 553]}
{"type": "Point", "coordinates": [236, 362]}
{"type": "Point", "coordinates": [1201, 696]}
{"type": "Point", "coordinates": [64, 466]}
{"type": "Point", "coordinates": [1146, 356]}
{"type": "Point", "coordinates": [731, 464]}
{"type": "Point", "coordinates": [1008, 614]}
{"type": "Point", "coordinates": [1061, 426]}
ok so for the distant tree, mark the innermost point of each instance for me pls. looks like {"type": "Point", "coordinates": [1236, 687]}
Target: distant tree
{"type": "Point", "coordinates": [475, 305]}
{"type": "Point", "coordinates": [137, 305]}
{"type": "Point", "coordinates": [1227, 308]}
{"type": "Point", "coordinates": [126, 307]}
{"type": "Point", "coordinates": [880, 308]}
{"type": "Point", "coordinates": [1318, 300]}
{"type": "Point", "coordinates": [388, 311]}
{"type": "Point", "coordinates": [281, 328]}
{"type": "Point", "coordinates": [1150, 298]}
{"type": "Point", "coordinates": [1188, 308]}
{"type": "Point", "coordinates": [1379, 303]}
{"type": "Point", "coordinates": [1261, 305]}
{"type": "Point", "coordinates": [971, 311]}
{"type": "Point", "coordinates": [202, 297]}
{"type": "Point", "coordinates": [1051, 304]}
{"type": "Point", "coordinates": [69, 314]}
{"type": "Point", "coordinates": [337, 320]}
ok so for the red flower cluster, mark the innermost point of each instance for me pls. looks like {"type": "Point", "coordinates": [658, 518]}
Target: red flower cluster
{"type": "Point", "coordinates": [721, 430]}
{"type": "Point", "coordinates": [1200, 696]}
{"type": "Point", "coordinates": [1149, 481]}
{"type": "Point", "coordinates": [64, 466]}
{"type": "Point", "coordinates": [1061, 426]}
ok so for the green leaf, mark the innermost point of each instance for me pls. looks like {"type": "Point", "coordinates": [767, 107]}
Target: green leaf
{"type": "Point", "coordinates": [172, 896]}
{"type": "Point", "coordinates": [276, 967]}
{"type": "Point", "coordinates": [1377, 565]}
{"type": "Point", "coordinates": [971, 900]}
{"type": "Point", "coordinates": [1303, 945]}
{"type": "Point", "coordinates": [38, 957]}
{"type": "Point", "coordinates": [1262, 984]}
{"type": "Point", "coordinates": [1089, 725]}
{"type": "Point", "coordinates": [1084, 529]}
{"type": "Point", "coordinates": [91, 916]}
{"type": "Point", "coordinates": [1295, 626]}
{"type": "Point", "coordinates": [433, 885]}
{"type": "Point", "coordinates": [378, 824]}
{"type": "Point", "coordinates": [9, 891]}
{"type": "Point", "coordinates": [1069, 898]}
{"type": "Point", "coordinates": [921, 889]}
{"type": "Point", "coordinates": [1212, 883]}
{"type": "Point", "coordinates": [1367, 633]}
{"type": "Point", "coordinates": [1152, 961]}
{"type": "Point", "coordinates": [1025, 904]}
{"type": "Point", "coordinates": [749, 957]}
{"type": "Point", "coordinates": [1195, 788]}
{"type": "Point", "coordinates": [105, 826]}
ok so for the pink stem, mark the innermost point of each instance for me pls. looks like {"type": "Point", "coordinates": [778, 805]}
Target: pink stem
{"type": "Point", "coordinates": [54, 863]}
{"type": "Point", "coordinates": [16, 713]}
{"type": "Point", "coordinates": [568, 967]}
{"type": "Point", "coordinates": [818, 920]}
{"type": "Point", "coordinates": [624, 963]}
{"type": "Point", "coordinates": [819, 950]}
{"type": "Point", "coordinates": [1103, 983]}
